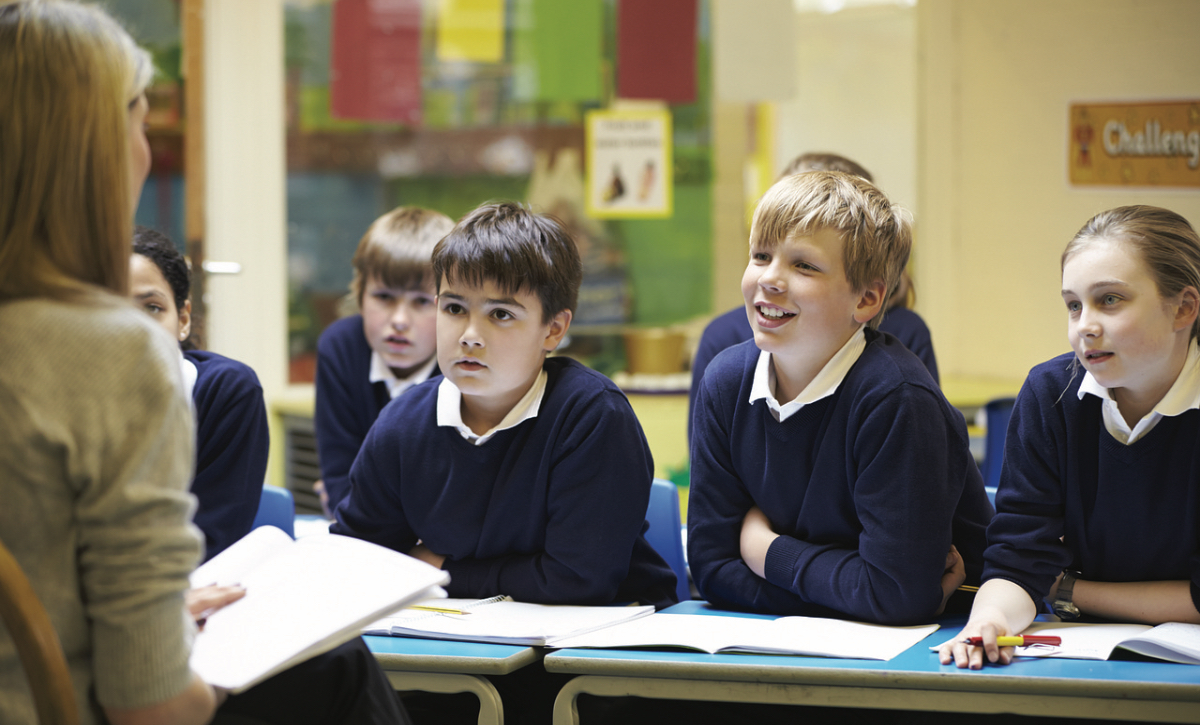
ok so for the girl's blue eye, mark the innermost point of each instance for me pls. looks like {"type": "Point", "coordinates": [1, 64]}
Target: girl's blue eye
{"type": "Point", "coordinates": [1072, 306]}
{"type": "Point", "coordinates": [1111, 299]}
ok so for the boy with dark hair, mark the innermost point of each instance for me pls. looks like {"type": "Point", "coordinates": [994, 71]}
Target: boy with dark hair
{"type": "Point", "coordinates": [519, 474]}
{"type": "Point", "coordinates": [830, 477]}
{"type": "Point", "coordinates": [367, 359]}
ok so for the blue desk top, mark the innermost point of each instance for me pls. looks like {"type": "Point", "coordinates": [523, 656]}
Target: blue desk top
{"type": "Point", "coordinates": [412, 654]}
{"type": "Point", "coordinates": [917, 668]}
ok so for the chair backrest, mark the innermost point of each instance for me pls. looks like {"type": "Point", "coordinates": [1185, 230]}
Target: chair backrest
{"type": "Point", "coordinates": [276, 508]}
{"type": "Point", "coordinates": [37, 645]}
{"type": "Point", "coordinates": [997, 413]}
{"type": "Point", "coordinates": [666, 532]}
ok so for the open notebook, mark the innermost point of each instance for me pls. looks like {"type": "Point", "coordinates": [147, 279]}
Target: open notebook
{"type": "Point", "coordinates": [1173, 641]}
{"type": "Point", "coordinates": [500, 620]}
{"type": "Point", "coordinates": [302, 598]}
{"type": "Point", "coordinates": [785, 635]}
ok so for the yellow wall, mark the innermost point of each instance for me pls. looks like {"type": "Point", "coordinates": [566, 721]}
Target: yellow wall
{"type": "Point", "coordinates": [995, 83]}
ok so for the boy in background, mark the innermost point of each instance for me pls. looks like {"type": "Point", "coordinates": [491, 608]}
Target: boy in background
{"type": "Point", "coordinates": [367, 359]}
{"type": "Point", "coordinates": [830, 477]}
{"type": "Point", "coordinates": [519, 474]}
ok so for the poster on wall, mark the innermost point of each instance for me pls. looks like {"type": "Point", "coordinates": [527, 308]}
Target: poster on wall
{"type": "Point", "coordinates": [629, 163]}
{"type": "Point", "coordinates": [1135, 144]}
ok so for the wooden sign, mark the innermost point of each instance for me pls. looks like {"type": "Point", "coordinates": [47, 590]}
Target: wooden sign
{"type": "Point", "coordinates": [1135, 144]}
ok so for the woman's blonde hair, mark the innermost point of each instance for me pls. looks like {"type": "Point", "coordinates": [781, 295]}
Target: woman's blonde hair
{"type": "Point", "coordinates": [68, 76]}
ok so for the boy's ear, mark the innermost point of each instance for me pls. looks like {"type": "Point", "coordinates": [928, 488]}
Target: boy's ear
{"type": "Point", "coordinates": [1187, 308]}
{"type": "Point", "coordinates": [870, 302]}
{"type": "Point", "coordinates": [559, 325]}
{"type": "Point", "coordinates": [185, 320]}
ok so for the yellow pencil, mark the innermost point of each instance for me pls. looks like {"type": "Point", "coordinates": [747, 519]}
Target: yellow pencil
{"type": "Point", "coordinates": [440, 610]}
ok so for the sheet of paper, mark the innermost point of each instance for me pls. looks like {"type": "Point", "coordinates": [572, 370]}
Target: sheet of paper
{"type": "Point", "coordinates": [516, 622]}
{"type": "Point", "coordinates": [786, 635]}
{"type": "Point", "coordinates": [304, 598]}
{"type": "Point", "coordinates": [1079, 640]}
{"type": "Point", "coordinates": [1173, 641]}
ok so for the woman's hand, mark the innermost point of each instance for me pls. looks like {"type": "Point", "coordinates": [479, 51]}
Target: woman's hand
{"type": "Point", "coordinates": [756, 539]}
{"type": "Point", "coordinates": [203, 601]}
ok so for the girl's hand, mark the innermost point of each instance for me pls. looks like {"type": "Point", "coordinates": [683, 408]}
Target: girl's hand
{"type": "Point", "coordinates": [203, 601]}
{"type": "Point", "coordinates": [756, 539]}
{"type": "Point", "coordinates": [953, 576]}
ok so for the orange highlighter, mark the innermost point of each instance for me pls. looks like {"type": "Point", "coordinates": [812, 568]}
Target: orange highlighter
{"type": "Point", "coordinates": [1018, 641]}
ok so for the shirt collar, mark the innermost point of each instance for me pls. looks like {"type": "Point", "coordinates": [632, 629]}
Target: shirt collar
{"type": "Point", "coordinates": [190, 374]}
{"type": "Point", "coordinates": [381, 373]}
{"type": "Point", "coordinates": [823, 385]}
{"type": "Point", "coordinates": [1183, 396]}
{"type": "Point", "coordinates": [449, 409]}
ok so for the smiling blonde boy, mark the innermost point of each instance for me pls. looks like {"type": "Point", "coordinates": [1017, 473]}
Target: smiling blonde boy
{"type": "Point", "coordinates": [367, 359]}
{"type": "Point", "coordinates": [519, 474]}
{"type": "Point", "coordinates": [830, 477]}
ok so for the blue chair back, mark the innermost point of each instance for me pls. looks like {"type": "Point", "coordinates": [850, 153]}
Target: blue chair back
{"type": "Point", "coordinates": [276, 508]}
{"type": "Point", "coordinates": [997, 413]}
{"type": "Point", "coordinates": [666, 532]}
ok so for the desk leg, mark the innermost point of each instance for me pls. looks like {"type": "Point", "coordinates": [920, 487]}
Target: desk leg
{"type": "Point", "coordinates": [491, 710]}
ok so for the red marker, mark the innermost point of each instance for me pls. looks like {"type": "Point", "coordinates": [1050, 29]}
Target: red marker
{"type": "Point", "coordinates": [1018, 641]}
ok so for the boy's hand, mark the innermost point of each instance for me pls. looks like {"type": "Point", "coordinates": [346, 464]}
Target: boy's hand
{"type": "Point", "coordinates": [757, 536]}
{"type": "Point", "coordinates": [953, 576]}
{"type": "Point", "coordinates": [422, 552]}
{"type": "Point", "coordinates": [319, 489]}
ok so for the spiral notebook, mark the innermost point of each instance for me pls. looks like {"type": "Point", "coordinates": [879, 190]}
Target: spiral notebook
{"type": "Point", "coordinates": [500, 620]}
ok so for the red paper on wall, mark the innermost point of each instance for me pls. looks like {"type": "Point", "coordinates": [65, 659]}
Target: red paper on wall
{"type": "Point", "coordinates": [375, 59]}
{"type": "Point", "coordinates": [656, 50]}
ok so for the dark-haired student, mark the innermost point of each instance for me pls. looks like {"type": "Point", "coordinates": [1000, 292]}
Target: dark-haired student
{"type": "Point", "coordinates": [519, 474]}
{"type": "Point", "coordinates": [232, 440]}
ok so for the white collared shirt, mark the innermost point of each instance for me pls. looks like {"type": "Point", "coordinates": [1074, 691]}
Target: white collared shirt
{"type": "Point", "coordinates": [381, 373]}
{"type": "Point", "coordinates": [823, 385]}
{"type": "Point", "coordinates": [1183, 396]}
{"type": "Point", "coordinates": [449, 409]}
{"type": "Point", "coordinates": [190, 373]}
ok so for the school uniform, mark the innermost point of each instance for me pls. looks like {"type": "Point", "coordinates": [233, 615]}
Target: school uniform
{"type": "Point", "coordinates": [1082, 491]}
{"type": "Point", "coordinates": [867, 476]}
{"type": "Point", "coordinates": [353, 386]}
{"type": "Point", "coordinates": [232, 442]}
{"type": "Point", "coordinates": [732, 327]}
{"type": "Point", "coordinates": [547, 507]}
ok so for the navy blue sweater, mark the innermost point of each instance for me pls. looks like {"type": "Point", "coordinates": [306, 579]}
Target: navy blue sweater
{"type": "Point", "coordinates": [732, 327]}
{"type": "Point", "coordinates": [231, 448]}
{"type": "Point", "coordinates": [347, 402]}
{"type": "Point", "coordinates": [868, 488]}
{"type": "Point", "coordinates": [551, 510]}
{"type": "Point", "coordinates": [1125, 513]}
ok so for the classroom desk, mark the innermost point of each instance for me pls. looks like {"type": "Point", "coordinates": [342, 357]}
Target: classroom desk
{"type": "Point", "coordinates": [914, 680]}
{"type": "Point", "coordinates": [432, 665]}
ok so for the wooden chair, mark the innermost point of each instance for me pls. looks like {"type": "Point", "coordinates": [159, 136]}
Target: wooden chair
{"type": "Point", "coordinates": [37, 645]}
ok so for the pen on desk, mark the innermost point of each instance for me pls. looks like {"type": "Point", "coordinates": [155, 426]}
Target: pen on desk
{"type": "Point", "coordinates": [440, 610]}
{"type": "Point", "coordinates": [1019, 640]}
